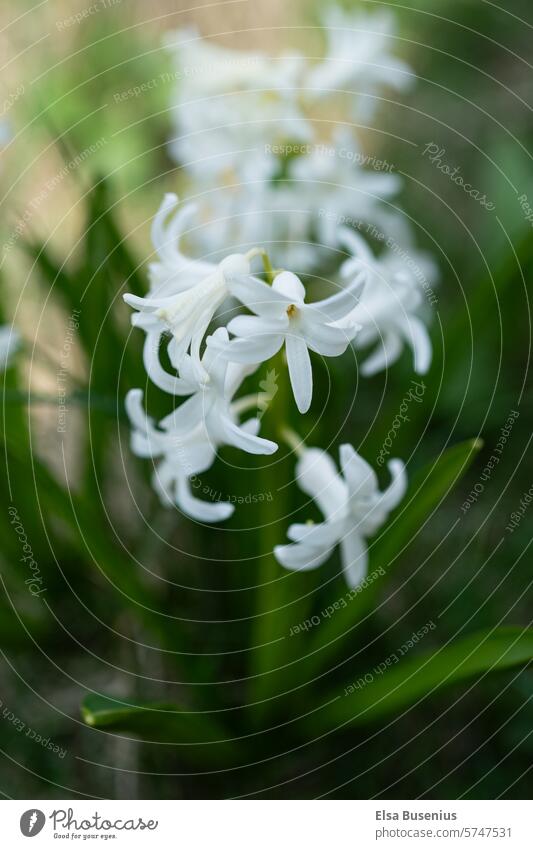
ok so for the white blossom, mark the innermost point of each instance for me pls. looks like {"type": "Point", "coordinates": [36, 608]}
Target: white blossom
{"type": "Point", "coordinates": [179, 458]}
{"type": "Point", "coordinates": [283, 318]}
{"type": "Point", "coordinates": [247, 138]}
{"type": "Point", "coordinates": [211, 397]}
{"type": "Point", "coordinates": [332, 188]}
{"type": "Point", "coordinates": [352, 506]}
{"type": "Point", "coordinates": [358, 55]}
{"type": "Point", "coordinates": [184, 296]}
{"type": "Point", "coordinates": [389, 303]}
{"type": "Point", "coordinates": [323, 186]}
{"type": "Point", "coordinates": [267, 172]}
{"type": "Point", "coordinates": [187, 440]}
{"type": "Point", "coordinates": [174, 272]}
{"type": "Point", "coordinates": [229, 104]}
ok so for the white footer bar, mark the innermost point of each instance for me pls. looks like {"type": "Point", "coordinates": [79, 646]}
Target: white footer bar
{"type": "Point", "coordinates": [266, 824]}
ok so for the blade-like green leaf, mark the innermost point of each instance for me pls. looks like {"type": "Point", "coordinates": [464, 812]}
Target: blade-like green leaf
{"type": "Point", "coordinates": [198, 736]}
{"type": "Point", "coordinates": [54, 273]}
{"type": "Point", "coordinates": [419, 677]}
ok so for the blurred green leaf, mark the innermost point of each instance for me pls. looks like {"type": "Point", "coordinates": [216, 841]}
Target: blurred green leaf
{"type": "Point", "coordinates": [89, 286]}
{"type": "Point", "coordinates": [419, 677]}
{"type": "Point", "coordinates": [200, 737]}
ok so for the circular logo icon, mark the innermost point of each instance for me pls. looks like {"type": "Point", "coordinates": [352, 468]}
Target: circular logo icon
{"type": "Point", "coordinates": [32, 822]}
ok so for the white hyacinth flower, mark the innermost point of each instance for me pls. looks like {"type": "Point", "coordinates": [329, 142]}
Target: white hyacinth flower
{"type": "Point", "coordinates": [329, 186]}
{"type": "Point", "coordinates": [211, 400]}
{"type": "Point", "coordinates": [283, 318]}
{"type": "Point", "coordinates": [244, 122]}
{"type": "Point", "coordinates": [358, 54]}
{"type": "Point", "coordinates": [9, 344]}
{"type": "Point", "coordinates": [387, 309]}
{"type": "Point", "coordinates": [323, 185]}
{"type": "Point", "coordinates": [179, 458]}
{"type": "Point", "coordinates": [184, 296]}
{"type": "Point", "coordinates": [353, 508]}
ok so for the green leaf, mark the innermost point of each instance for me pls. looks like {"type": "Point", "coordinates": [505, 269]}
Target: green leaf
{"type": "Point", "coordinates": [426, 492]}
{"type": "Point", "coordinates": [419, 677]}
{"type": "Point", "coordinates": [89, 286]}
{"type": "Point", "coordinates": [54, 273]}
{"type": "Point", "coordinates": [199, 737]}
{"type": "Point", "coordinates": [124, 265]}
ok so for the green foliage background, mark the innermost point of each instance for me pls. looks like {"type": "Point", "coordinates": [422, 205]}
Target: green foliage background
{"type": "Point", "coordinates": [142, 605]}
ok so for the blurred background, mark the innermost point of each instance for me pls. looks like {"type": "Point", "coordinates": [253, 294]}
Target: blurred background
{"type": "Point", "coordinates": [142, 603]}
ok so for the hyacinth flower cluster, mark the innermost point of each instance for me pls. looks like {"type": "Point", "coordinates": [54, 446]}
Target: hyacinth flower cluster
{"type": "Point", "coordinates": [257, 142]}
{"type": "Point", "coordinates": [250, 141]}
{"type": "Point", "coordinates": [209, 364]}
{"type": "Point", "coordinates": [253, 132]}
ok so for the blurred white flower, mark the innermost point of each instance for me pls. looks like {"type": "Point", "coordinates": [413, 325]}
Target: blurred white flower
{"type": "Point", "coordinates": [386, 311]}
{"type": "Point", "coordinates": [273, 213]}
{"type": "Point", "coordinates": [322, 187]}
{"type": "Point", "coordinates": [358, 55]}
{"type": "Point", "coordinates": [248, 138]}
{"type": "Point", "coordinates": [283, 318]}
{"type": "Point", "coordinates": [9, 344]}
{"type": "Point", "coordinates": [353, 508]}
{"type": "Point", "coordinates": [173, 271]}
{"type": "Point", "coordinates": [330, 188]}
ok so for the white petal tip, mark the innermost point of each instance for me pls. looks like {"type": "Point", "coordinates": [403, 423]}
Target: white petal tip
{"type": "Point", "coordinates": [270, 447]}
{"type": "Point", "coordinates": [225, 512]}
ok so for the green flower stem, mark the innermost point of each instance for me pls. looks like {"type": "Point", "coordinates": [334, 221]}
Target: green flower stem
{"type": "Point", "coordinates": [251, 402]}
{"type": "Point", "coordinates": [270, 273]}
{"type": "Point", "coordinates": [293, 440]}
{"type": "Point", "coordinates": [267, 265]}
{"type": "Point", "coordinates": [282, 597]}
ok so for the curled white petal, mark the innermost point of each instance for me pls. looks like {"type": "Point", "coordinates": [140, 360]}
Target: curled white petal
{"type": "Point", "coordinates": [202, 511]}
{"type": "Point", "coordinates": [300, 557]}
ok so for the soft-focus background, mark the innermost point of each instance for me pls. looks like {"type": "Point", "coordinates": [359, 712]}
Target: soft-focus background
{"type": "Point", "coordinates": [143, 604]}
